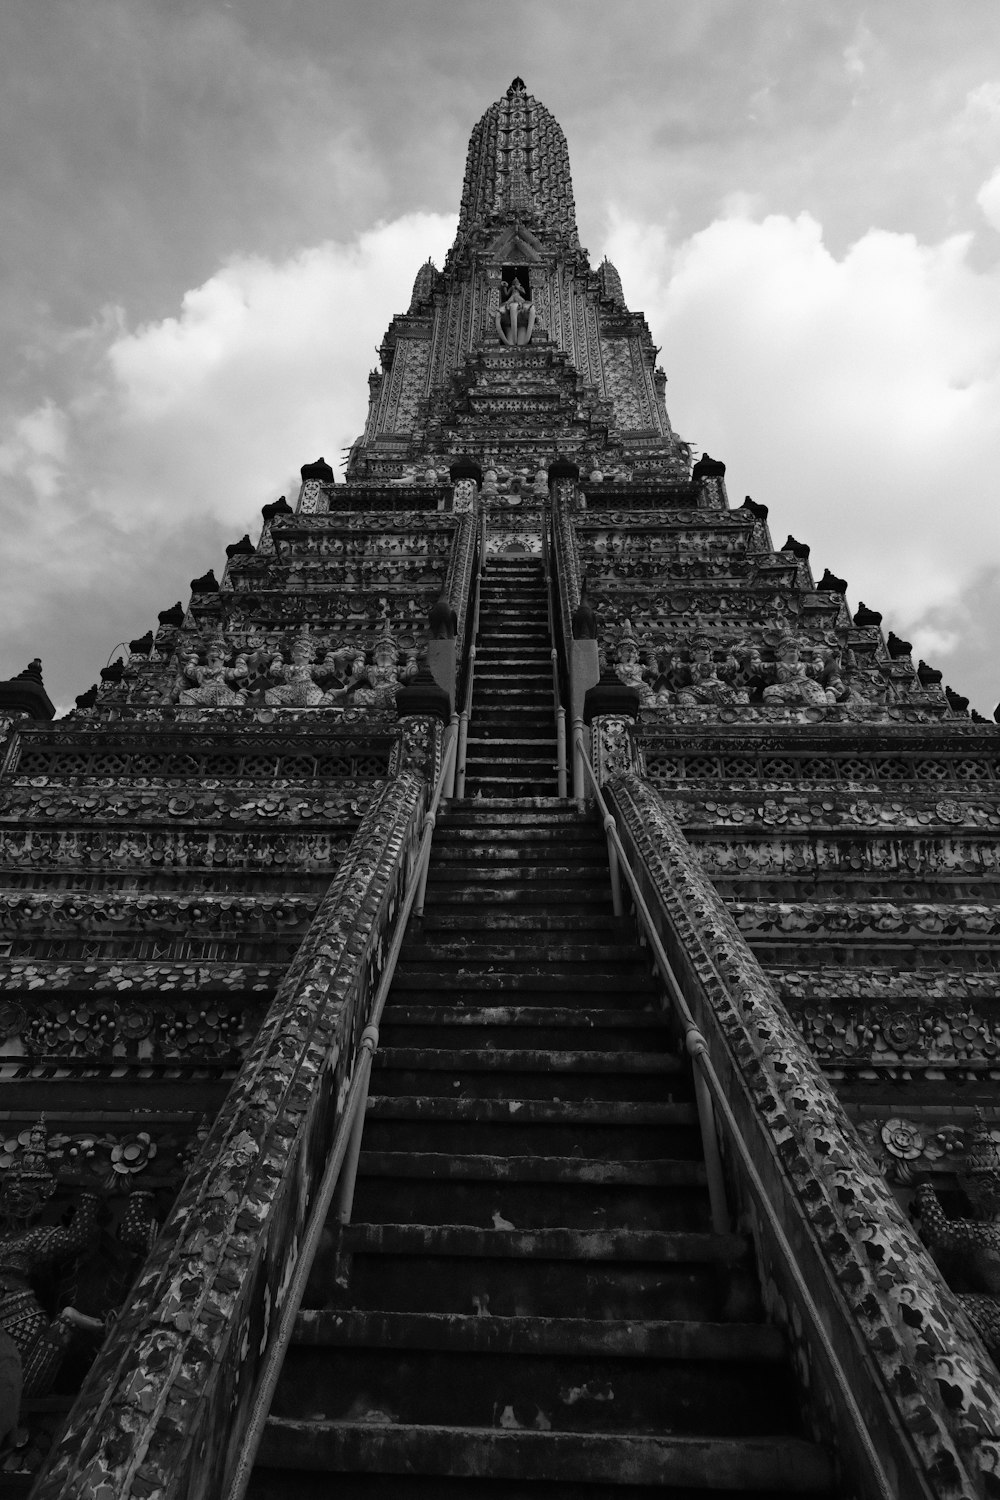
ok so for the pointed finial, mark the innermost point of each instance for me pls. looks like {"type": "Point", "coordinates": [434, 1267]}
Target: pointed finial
{"type": "Point", "coordinates": [517, 86]}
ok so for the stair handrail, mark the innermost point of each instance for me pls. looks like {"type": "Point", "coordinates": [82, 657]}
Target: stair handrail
{"type": "Point", "coordinates": [709, 1091]}
{"type": "Point", "coordinates": [470, 671]}
{"type": "Point", "coordinates": [340, 1172]}
{"type": "Point", "coordinates": [560, 711]}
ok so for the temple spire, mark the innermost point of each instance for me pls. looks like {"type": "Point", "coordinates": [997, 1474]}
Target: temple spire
{"type": "Point", "coordinates": [518, 168]}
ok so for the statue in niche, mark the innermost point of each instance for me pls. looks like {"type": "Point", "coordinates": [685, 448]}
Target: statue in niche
{"type": "Point", "coordinates": [515, 318]}
{"type": "Point", "coordinates": [33, 1340]}
{"type": "Point", "coordinates": [629, 669]}
{"type": "Point", "coordinates": [792, 685]}
{"type": "Point", "coordinates": [297, 686]}
{"type": "Point", "coordinates": [968, 1250]}
{"type": "Point", "coordinates": [214, 684]}
{"type": "Point", "coordinates": [711, 682]}
{"type": "Point", "coordinates": [375, 686]}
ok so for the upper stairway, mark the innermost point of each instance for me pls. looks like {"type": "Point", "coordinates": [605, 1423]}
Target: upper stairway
{"type": "Point", "coordinates": [512, 735]}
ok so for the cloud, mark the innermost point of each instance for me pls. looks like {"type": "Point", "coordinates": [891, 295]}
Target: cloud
{"type": "Point", "coordinates": [856, 393]}
{"type": "Point", "coordinates": [988, 199]}
{"type": "Point", "coordinates": [858, 396]}
{"type": "Point", "coordinates": [168, 437]}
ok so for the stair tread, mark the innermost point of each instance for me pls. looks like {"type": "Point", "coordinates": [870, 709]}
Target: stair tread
{"type": "Point", "coordinates": [656, 1172]}
{"type": "Point", "coordinates": [525, 1060]}
{"type": "Point", "coordinates": [522, 1015]}
{"type": "Point", "coordinates": [649, 1339]}
{"type": "Point", "coordinates": [776, 1463]}
{"type": "Point", "coordinates": [531, 1111]}
{"type": "Point", "coordinates": [546, 1244]}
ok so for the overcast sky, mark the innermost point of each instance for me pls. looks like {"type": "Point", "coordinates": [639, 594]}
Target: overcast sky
{"type": "Point", "coordinates": [212, 208]}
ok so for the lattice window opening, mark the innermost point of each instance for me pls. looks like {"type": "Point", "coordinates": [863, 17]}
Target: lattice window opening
{"type": "Point", "coordinates": [892, 768]}
{"type": "Point", "coordinates": [973, 770]}
{"type": "Point", "coordinates": [370, 765]}
{"type": "Point", "coordinates": [664, 767]}
{"type": "Point", "coordinates": [926, 769]}
{"type": "Point", "coordinates": [221, 765]}
{"type": "Point", "coordinates": [776, 768]}
{"type": "Point", "coordinates": [48, 762]}
{"type": "Point", "coordinates": [817, 768]}
{"type": "Point", "coordinates": [701, 768]}
{"type": "Point", "coordinates": [265, 767]}
{"type": "Point", "coordinates": [182, 765]}
{"type": "Point", "coordinates": [856, 768]}
{"type": "Point", "coordinates": [738, 768]}
{"type": "Point", "coordinates": [109, 765]}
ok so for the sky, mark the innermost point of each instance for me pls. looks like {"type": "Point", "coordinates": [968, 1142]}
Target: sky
{"type": "Point", "coordinates": [213, 208]}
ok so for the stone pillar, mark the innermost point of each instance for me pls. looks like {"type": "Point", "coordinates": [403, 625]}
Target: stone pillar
{"type": "Point", "coordinates": [312, 499]}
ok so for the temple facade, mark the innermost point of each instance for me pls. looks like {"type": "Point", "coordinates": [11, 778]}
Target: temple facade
{"type": "Point", "coordinates": [499, 990]}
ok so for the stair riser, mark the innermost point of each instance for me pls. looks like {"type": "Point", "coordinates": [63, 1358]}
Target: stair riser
{"type": "Point", "coordinates": [518, 1085]}
{"type": "Point", "coordinates": [576, 899]}
{"type": "Point", "coordinates": [525, 1287]}
{"type": "Point", "coordinates": [548, 1038]}
{"type": "Point", "coordinates": [515, 977]}
{"type": "Point", "coordinates": [573, 1395]}
{"type": "Point", "coordinates": [388, 1200]}
{"type": "Point", "coordinates": [606, 1142]}
{"type": "Point", "coordinates": [302, 1484]}
{"type": "Point", "coordinates": [517, 951]}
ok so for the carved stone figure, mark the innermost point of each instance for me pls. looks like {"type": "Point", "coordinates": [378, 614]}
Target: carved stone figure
{"type": "Point", "coordinates": [298, 687]}
{"type": "Point", "coordinates": [793, 685]}
{"type": "Point", "coordinates": [26, 1249]}
{"type": "Point", "coordinates": [968, 1250]}
{"type": "Point", "coordinates": [378, 684]}
{"type": "Point", "coordinates": [212, 685]}
{"type": "Point", "coordinates": [515, 318]}
{"type": "Point", "coordinates": [707, 684]}
{"type": "Point", "coordinates": [629, 669]}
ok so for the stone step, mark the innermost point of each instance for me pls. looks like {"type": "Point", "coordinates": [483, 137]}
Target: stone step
{"type": "Point", "coordinates": [607, 1130]}
{"type": "Point", "coordinates": [529, 658]}
{"type": "Point", "coordinates": [655, 1339]}
{"type": "Point", "coordinates": [525, 921]}
{"type": "Point", "coordinates": [529, 869]}
{"type": "Point", "coordinates": [436, 948]}
{"type": "Point", "coordinates": [564, 893]}
{"type": "Point", "coordinates": [616, 1246]}
{"type": "Point", "coordinates": [471, 1060]}
{"type": "Point", "coordinates": [615, 979]}
{"type": "Point", "coordinates": [545, 1170]}
{"type": "Point", "coordinates": [530, 1192]}
{"type": "Point", "coordinates": [507, 786]}
{"type": "Point", "coordinates": [430, 1268]}
{"type": "Point", "coordinates": [515, 757]}
{"type": "Point", "coordinates": [602, 1112]}
{"type": "Point", "coordinates": [513, 717]}
{"type": "Point", "coordinates": [637, 1031]}
{"type": "Point", "coordinates": [470, 1386]}
{"type": "Point", "coordinates": [561, 1075]}
{"type": "Point", "coordinates": [769, 1466]}
{"type": "Point", "coordinates": [541, 812]}
{"type": "Point", "coordinates": [468, 991]}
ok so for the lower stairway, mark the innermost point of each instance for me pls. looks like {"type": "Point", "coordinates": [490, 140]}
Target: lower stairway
{"type": "Point", "coordinates": [530, 1300]}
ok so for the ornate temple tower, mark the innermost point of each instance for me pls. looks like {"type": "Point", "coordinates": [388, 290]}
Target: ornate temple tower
{"type": "Point", "coordinates": [500, 990]}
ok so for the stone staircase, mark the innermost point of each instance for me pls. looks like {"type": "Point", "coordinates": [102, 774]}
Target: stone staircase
{"type": "Point", "coordinates": [512, 737]}
{"type": "Point", "coordinates": [530, 1300]}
